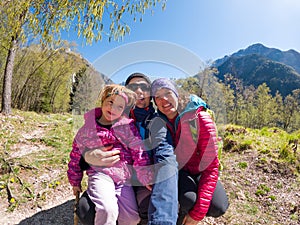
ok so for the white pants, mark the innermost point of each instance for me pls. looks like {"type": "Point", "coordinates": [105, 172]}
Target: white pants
{"type": "Point", "coordinates": [113, 202]}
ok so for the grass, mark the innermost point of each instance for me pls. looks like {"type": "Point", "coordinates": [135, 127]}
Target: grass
{"type": "Point", "coordinates": [34, 154]}
{"type": "Point", "coordinates": [261, 173]}
{"type": "Point", "coordinates": [277, 145]}
{"type": "Point", "coordinates": [34, 173]}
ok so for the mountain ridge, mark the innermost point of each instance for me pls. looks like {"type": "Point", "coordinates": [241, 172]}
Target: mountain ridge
{"type": "Point", "coordinates": [258, 64]}
{"type": "Point", "coordinates": [290, 57]}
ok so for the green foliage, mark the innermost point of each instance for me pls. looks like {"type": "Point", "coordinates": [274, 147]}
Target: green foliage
{"type": "Point", "coordinates": [272, 197]}
{"type": "Point", "coordinates": [280, 147]}
{"type": "Point", "coordinates": [205, 85]}
{"type": "Point", "coordinates": [54, 184]}
{"type": "Point", "coordinates": [295, 217]}
{"type": "Point", "coordinates": [85, 90]}
{"type": "Point", "coordinates": [246, 144]}
{"type": "Point", "coordinates": [190, 84]}
{"type": "Point", "coordinates": [242, 165]}
{"type": "Point", "coordinates": [42, 77]}
{"type": "Point", "coordinates": [251, 209]}
{"type": "Point", "coordinates": [235, 103]}
{"type": "Point", "coordinates": [44, 20]}
{"type": "Point", "coordinates": [46, 141]}
{"type": "Point", "coordinates": [262, 190]}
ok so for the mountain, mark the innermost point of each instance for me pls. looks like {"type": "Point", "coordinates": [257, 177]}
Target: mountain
{"type": "Point", "coordinates": [257, 64]}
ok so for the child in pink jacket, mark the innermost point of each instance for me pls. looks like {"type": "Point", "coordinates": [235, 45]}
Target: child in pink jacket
{"type": "Point", "coordinates": [109, 188]}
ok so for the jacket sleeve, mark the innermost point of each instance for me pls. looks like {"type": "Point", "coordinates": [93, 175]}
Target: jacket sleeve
{"type": "Point", "coordinates": [165, 164]}
{"type": "Point", "coordinates": [162, 148]}
{"type": "Point", "coordinates": [208, 149]}
{"type": "Point", "coordinates": [74, 172]}
{"type": "Point", "coordinates": [141, 160]}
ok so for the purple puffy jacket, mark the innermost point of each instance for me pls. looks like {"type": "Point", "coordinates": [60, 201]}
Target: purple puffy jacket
{"type": "Point", "coordinates": [124, 136]}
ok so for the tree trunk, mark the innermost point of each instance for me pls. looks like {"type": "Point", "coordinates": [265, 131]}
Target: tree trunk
{"type": "Point", "coordinates": [7, 81]}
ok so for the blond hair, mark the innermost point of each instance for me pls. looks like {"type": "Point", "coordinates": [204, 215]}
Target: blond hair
{"type": "Point", "coordinates": [116, 89]}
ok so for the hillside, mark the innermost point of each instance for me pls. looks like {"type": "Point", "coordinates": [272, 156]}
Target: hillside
{"type": "Point", "coordinates": [256, 70]}
{"type": "Point", "coordinates": [290, 57]}
{"type": "Point", "coordinates": [258, 64]}
{"type": "Point", "coordinates": [261, 172]}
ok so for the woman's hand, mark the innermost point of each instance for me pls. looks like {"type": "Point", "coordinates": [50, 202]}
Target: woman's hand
{"type": "Point", "coordinates": [76, 190]}
{"type": "Point", "coordinates": [103, 156]}
{"type": "Point", "coordinates": [189, 221]}
{"type": "Point", "coordinates": [149, 187]}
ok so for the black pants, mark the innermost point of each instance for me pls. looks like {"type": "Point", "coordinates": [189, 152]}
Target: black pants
{"type": "Point", "coordinates": [86, 208]}
{"type": "Point", "coordinates": [187, 191]}
{"type": "Point", "coordinates": [143, 199]}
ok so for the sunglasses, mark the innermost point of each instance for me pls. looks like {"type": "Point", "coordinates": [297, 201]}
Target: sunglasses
{"type": "Point", "coordinates": [143, 87]}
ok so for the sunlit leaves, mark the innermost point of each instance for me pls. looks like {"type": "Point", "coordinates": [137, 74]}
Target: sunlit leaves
{"type": "Point", "coordinates": [45, 19]}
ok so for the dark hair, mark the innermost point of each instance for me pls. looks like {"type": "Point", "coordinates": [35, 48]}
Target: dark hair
{"type": "Point", "coordinates": [134, 75]}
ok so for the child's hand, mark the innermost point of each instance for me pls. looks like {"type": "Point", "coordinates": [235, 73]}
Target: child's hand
{"type": "Point", "coordinates": [76, 190]}
{"type": "Point", "coordinates": [103, 156]}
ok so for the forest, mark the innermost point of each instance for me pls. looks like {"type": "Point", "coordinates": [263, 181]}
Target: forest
{"type": "Point", "coordinates": [40, 72]}
{"type": "Point", "coordinates": [61, 81]}
{"type": "Point", "coordinates": [45, 84]}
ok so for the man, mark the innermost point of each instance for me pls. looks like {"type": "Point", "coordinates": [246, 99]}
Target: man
{"type": "Point", "coordinates": [160, 206]}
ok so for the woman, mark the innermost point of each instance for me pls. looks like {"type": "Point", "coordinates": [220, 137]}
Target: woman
{"type": "Point", "coordinates": [194, 137]}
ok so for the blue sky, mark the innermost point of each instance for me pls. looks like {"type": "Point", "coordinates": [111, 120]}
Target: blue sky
{"type": "Point", "coordinates": [207, 29]}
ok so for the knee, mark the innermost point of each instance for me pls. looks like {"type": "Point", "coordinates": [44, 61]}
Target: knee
{"type": "Point", "coordinates": [130, 220]}
{"type": "Point", "coordinates": [224, 208]}
{"type": "Point", "coordinates": [106, 210]}
{"type": "Point", "coordinates": [218, 210]}
{"type": "Point", "coordinates": [187, 201]}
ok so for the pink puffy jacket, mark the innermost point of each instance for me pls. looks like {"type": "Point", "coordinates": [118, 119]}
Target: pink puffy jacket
{"type": "Point", "coordinates": [197, 152]}
{"type": "Point", "coordinates": [124, 136]}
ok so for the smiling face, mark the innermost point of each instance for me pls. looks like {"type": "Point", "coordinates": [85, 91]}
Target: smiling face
{"type": "Point", "coordinates": [167, 102]}
{"type": "Point", "coordinates": [112, 109]}
{"type": "Point", "coordinates": [140, 86]}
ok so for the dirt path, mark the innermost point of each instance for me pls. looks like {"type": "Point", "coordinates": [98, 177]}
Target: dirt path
{"type": "Point", "coordinates": [57, 211]}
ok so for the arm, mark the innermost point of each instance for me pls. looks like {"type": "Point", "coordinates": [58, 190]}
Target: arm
{"type": "Point", "coordinates": [74, 172]}
{"type": "Point", "coordinates": [209, 164]}
{"type": "Point", "coordinates": [165, 164]}
{"type": "Point", "coordinates": [93, 151]}
{"type": "Point", "coordinates": [163, 150]}
{"type": "Point", "coordinates": [141, 160]}
{"type": "Point", "coordinates": [103, 156]}
{"type": "Point", "coordinates": [164, 198]}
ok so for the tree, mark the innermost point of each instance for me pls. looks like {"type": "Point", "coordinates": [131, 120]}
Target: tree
{"type": "Point", "coordinates": [279, 110]}
{"type": "Point", "coordinates": [42, 78]}
{"type": "Point", "coordinates": [291, 109]}
{"type": "Point", "coordinates": [86, 87]}
{"type": "Point", "coordinates": [248, 113]}
{"type": "Point", "coordinates": [44, 19]}
{"type": "Point", "coordinates": [265, 105]}
{"type": "Point", "coordinates": [238, 101]}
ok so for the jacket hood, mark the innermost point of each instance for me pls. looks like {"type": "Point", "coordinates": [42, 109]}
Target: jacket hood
{"type": "Point", "coordinates": [194, 103]}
